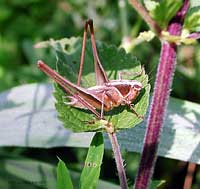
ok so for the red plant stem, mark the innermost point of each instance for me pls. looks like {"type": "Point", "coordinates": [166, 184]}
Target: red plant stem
{"type": "Point", "coordinates": [119, 160]}
{"type": "Point", "coordinates": [159, 102]}
{"type": "Point", "coordinates": [160, 99]}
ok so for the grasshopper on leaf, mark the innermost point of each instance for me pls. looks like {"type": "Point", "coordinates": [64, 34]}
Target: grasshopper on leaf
{"type": "Point", "coordinates": [106, 95]}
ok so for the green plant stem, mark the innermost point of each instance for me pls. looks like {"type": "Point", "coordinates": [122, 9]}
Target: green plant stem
{"type": "Point", "coordinates": [145, 15]}
{"type": "Point", "coordinates": [118, 160]}
{"type": "Point", "coordinates": [123, 17]}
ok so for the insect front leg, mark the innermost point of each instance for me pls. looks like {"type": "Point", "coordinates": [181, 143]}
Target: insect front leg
{"type": "Point", "coordinates": [134, 111]}
{"type": "Point", "coordinates": [102, 104]}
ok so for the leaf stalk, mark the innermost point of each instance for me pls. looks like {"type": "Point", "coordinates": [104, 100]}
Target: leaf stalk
{"type": "Point", "coordinates": [118, 160]}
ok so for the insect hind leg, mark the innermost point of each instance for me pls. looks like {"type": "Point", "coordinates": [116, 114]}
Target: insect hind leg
{"type": "Point", "coordinates": [82, 53]}
{"type": "Point", "coordinates": [101, 76]}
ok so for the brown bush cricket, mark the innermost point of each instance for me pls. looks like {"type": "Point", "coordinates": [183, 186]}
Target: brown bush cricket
{"type": "Point", "coordinates": [106, 95]}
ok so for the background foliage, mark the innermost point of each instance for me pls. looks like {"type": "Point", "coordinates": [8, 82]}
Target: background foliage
{"type": "Point", "coordinates": [24, 23]}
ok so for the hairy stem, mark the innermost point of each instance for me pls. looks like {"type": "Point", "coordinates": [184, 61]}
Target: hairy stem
{"type": "Point", "coordinates": [159, 102]}
{"type": "Point", "coordinates": [145, 15]}
{"type": "Point", "coordinates": [119, 161]}
{"type": "Point", "coordinates": [160, 97]}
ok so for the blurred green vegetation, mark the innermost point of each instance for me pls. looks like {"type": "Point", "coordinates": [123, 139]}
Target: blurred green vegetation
{"type": "Point", "coordinates": [26, 22]}
{"type": "Point", "coordinates": [23, 23]}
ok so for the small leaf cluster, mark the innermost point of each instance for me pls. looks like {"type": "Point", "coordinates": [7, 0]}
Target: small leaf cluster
{"type": "Point", "coordinates": [165, 10]}
{"type": "Point", "coordinates": [192, 20]}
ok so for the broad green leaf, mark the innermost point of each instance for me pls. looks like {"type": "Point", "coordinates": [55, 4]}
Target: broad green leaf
{"type": "Point", "coordinates": [192, 20]}
{"type": "Point", "coordinates": [114, 60]}
{"type": "Point", "coordinates": [164, 11]}
{"type": "Point", "coordinates": [92, 167]}
{"type": "Point", "coordinates": [36, 173]}
{"type": "Point", "coordinates": [63, 176]}
{"type": "Point", "coordinates": [28, 118]}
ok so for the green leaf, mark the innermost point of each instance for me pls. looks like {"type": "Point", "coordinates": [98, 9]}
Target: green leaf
{"type": "Point", "coordinates": [114, 60]}
{"type": "Point", "coordinates": [164, 11]}
{"type": "Point", "coordinates": [28, 118]}
{"type": "Point", "coordinates": [192, 20]}
{"type": "Point", "coordinates": [63, 176]}
{"type": "Point", "coordinates": [92, 167]}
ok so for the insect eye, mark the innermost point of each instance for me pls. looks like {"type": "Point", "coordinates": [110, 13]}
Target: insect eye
{"type": "Point", "coordinates": [137, 87]}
